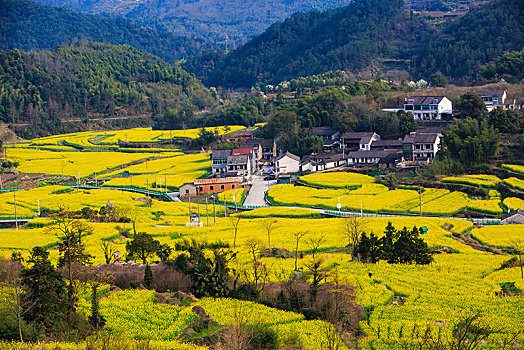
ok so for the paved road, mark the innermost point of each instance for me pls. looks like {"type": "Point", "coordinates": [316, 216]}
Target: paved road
{"type": "Point", "coordinates": [256, 194]}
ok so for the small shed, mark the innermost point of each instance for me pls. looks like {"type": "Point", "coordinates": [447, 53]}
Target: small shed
{"type": "Point", "coordinates": [424, 230]}
{"type": "Point", "coordinates": [188, 189]}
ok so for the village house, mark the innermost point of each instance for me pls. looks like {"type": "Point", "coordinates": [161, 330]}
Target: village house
{"type": "Point", "coordinates": [219, 161]}
{"type": "Point", "coordinates": [384, 158]}
{"type": "Point", "coordinates": [235, 162]}
{"type": "Point", "coordinates": [515, 217]}
{"type": "Point", "coordinates": [287, 163]}
{"type": "Point", "coordinates": [493, 99]}
{"type": "Point", "coordinates": [239, 165]}
{"type": "Point", "coordinates": [387, 144]}
{"type": "Point", "coordinates": [214, 185]}
{"type": "Point", "coordinates": [421, 147]}
{"type": "Point", "coordinates": [428, 107]}
{"type": "Point", "coordinates": [328, 134]}
{"type": "Point", "coordinates": [264, 149]}
{"type": "Point", "coordinates": [322, 161]}
{"type": "Point", "coordinates": [353, 141]}
{"type": "Point", "coordinates": [240, 135]}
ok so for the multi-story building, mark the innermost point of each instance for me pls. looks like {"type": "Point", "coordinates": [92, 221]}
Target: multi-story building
{"type": "Point", "coordinates": [428, 107]}
{"type": "Point", "coordinates": [421, 147]}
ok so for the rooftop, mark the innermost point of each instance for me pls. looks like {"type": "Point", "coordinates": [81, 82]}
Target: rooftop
{"type": "Point", "coordinates": [424, 100]}
{"type": "Point", "coordinates": [217, 180]}
{"type": "Point", "coordinates": [324, 131]}
{"type": "Point", "coordinates": [288, 154]}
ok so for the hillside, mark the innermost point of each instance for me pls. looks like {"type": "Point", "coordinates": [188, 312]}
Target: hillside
{"type": "Point", "coordinates": [211, 20]}
{"type": "Point", "coordinates": [28, 25]}
{"type": "Point", "coordinates": [483, 34]}
{"type": "Point", "coordinates": [314, 42]}
{"type": "Point", "coordinates": [90, 80]}
{"type": "Point", "coordinates": [363, 34]}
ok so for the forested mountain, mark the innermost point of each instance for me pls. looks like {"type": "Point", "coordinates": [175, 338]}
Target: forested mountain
{"type": "Point", "coordinates": [91, 80]}
{"type": "Point", "coordinates": [363, 33]}
{"type": "Point", "coordinates": [213, 20]}
{"type": "Point", "coordinates": [315, 42]}
{"type": "Point", "coordinates": [28, 25]}
{"type": "Point", "coordinates": [483, 34]}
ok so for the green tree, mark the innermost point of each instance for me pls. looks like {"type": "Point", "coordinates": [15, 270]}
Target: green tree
{"type": "Point", "coordinates": [511, 122]}
{"type": "Point", "coordinates": [471, 141]}
{"type": "Point", "coordinates": [143, 246]}
{"type": "Point", "coordinates": [164, 251]}
{"type": "Point", "coordinates": [407, 123]}
{"type": "Point", "coordinates": [95, 319]}
{"type": "Point", "coordinates": [44, 289]}
{"type": "Point", "coordinates": [438, 79]}
{"type": "Point", "coordinates": [148, 277]}
{"type": "Point", "coordinates": [471, 104]}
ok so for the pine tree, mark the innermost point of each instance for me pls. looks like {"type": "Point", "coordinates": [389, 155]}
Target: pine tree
{"type": "Point", "coordinates": [148, 277]}
{"type": "Point", "coordinates": [45, 290]}
{"type": "Point", "coordinates": [96, 319]}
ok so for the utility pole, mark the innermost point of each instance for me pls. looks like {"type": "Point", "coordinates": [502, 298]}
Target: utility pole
{"type": "Point", "coordinates": [16, 215]}
{"type": "Point", "coordinates": [38, 203]}
{"type": "Point", "coordinates": [77, 182]}
{"type": "Point", "coordinates": [165, 181]}
{"type": "Point", "coordinates": [189, 197]}
{"type": "Point", "coordinates": [147, 190]}
{"type": "Point", "coordinates": [96, 180]}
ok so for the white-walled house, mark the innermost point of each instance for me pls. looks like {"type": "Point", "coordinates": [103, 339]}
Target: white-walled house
{"type": "Point", "coordinates": [428, 107]}
{"type": "Point", "coordinates": [493, 99]}
{"type": "Point", "coordinates": [287, 163]}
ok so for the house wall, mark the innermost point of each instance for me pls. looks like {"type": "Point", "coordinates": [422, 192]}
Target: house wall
{"type": "Point", "coordinates": [288, 165]}
{"type": "Point", "coordinates": [187, 190]}
{"type": "Point", "coordinates": [218, 187]}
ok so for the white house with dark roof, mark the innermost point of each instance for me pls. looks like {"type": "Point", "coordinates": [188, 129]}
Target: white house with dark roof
{"type": "Point", "coordinates": [428, 107]}
{"type": "Point", "coordinates": [515, 217]}
{"type": "Point", "coordinates": [493, 99]}
{"type": "Point", "coordinates": [353, 141]}
{"type": "Point", "coordinates": [287, 163]}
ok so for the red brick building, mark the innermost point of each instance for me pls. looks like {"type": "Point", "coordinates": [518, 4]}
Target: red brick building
{"type": "Point", "coordinates": [215, 185]}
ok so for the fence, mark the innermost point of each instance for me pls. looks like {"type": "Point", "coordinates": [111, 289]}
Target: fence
{"type": "Point", "coordinates": [344, 214]}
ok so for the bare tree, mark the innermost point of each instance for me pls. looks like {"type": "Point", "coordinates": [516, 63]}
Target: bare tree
{"type": "Point", "coordinates": [518, 246]}
{"type": "Point", "coordinates": [108, 249]}
{"type": "Point", "coordinates": [298, 236]}
{"type": "Point", "coordinates": [257, 272]}
{"type": "Point", "coordinates": [235, 223]}
{"type": "Point", "coordinates": [269, 225]}
{"type": "Point", "coordinates": [352, 227]}
{"type": "Point", "coordinates": [314, 242]}
{"type": "Point", "coordinates": [238, 336]}
{"type": "Point", "coordinates": [11, 291]}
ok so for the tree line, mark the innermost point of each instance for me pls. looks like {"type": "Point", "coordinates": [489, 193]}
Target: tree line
{"type": "Point", "coordinates": [88, 79]}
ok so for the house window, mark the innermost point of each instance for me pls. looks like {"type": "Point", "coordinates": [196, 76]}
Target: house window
{"type": "Point", "coordinates": [211, 188]}
{"type": "Point", "coordinates": [409, 108]}
{"type": "Point", "coordinates": [201, 189]}
{"type": "Point", "coordinates": [187, 191]}
{"type": "Point", "coordinates": [233, 186]}
{"type": "Point", "coordinates": [221, 187]}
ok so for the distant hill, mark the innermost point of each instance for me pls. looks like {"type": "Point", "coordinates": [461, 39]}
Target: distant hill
{"type": "Point", "coordinates": [211, 20]}
{"type": "Point", "coordinates": [315, 42]}
{"type": "Point", "coordinates": [91, 80]}
{"type": "Point", "coordinates": [362, 35]}
{"type": "Point", "coordinates": [28, 25]}
{"type": "Point", "coordinates": [480, 36]}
